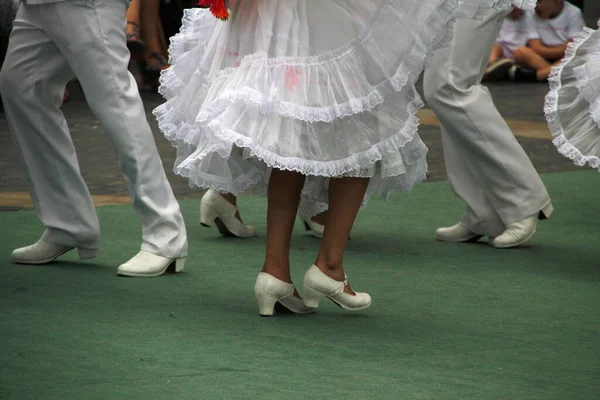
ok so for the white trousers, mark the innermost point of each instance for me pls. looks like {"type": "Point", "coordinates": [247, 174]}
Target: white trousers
{"type": "Point", "coordinates": [486, 166]}
{"type": "Point", "coordinates": [49, 44]}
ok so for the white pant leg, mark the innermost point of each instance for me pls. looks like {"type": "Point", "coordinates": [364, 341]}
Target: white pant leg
{"type": "Point", "coordinates": [91, 36]}
{"type": "Point", "coordinates": [501, 179]}
{"type": "Point", "coordinates": [480, 217]}
{"type": "Point", "coordinates": [94, 33]}
{"type": "Point", "coordinates": [32, 82]}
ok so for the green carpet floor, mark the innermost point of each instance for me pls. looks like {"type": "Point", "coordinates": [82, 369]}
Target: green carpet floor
{"type": "Point", "coordinates": [448, 321]}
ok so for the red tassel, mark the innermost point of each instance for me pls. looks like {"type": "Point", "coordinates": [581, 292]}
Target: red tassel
{"type": "Point", "coordinates": [217, 7]}
{"type": "Point", "coordinates": [219, 10]}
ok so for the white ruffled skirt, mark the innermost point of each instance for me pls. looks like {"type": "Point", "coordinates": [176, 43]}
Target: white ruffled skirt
{"type": "Point", "coordinates": [322, 87]}
{"type": "Point", "coordinates": [573, 103]}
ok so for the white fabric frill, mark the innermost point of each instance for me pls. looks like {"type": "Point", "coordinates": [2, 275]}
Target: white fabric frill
{"type": "Point", "coordinates": [324, 88]}
{"type": "Point", "coordinates": [573, 104]}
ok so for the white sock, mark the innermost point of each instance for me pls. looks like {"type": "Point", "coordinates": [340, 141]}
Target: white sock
{"type": "Point", "coordinates": [511, 72]}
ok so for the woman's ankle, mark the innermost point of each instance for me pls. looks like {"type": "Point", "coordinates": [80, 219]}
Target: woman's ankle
{"type": "Point", "coordinates": [335, 271]}
{"type": "Point", "coordinates": [231, 199]}
{"type": "Point", "coordinates": [277, 270]}
{"type": "Point", "coordinates": [332, 267]}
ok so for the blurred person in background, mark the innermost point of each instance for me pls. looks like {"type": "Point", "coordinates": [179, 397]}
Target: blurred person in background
{"type": "Point", "coordinates": [554, 24]}
{"type": "Point", "coordinates": [513, 35]}
{"type": "Point", "coordinates": [146, 40]}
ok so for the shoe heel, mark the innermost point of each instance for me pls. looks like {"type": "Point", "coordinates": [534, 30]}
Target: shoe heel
{"type": "Point", "coordinates": [266, 304]}
{"type": "Point", "coordinates": [179, 264]}
{"type": "Point", "coordinates": [86, 254]}
{"type": "Point", "coordinates": [312, 297]}
{"type": "Point", "coordinates": [208, 215]}
{"type": "Point", "coordinates": [176, 266]}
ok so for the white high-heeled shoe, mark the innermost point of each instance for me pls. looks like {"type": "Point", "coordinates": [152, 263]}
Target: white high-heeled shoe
{"type": "Point", "coordinates": [145, 264]}
{"type": "Point", "coordinates": [215, 210]}
{"type": "Point", "coordinates": [314, 227]}
{"type": "Point", "coordinates": [270, 290]}
{"type": "Point", "coordinates": [43, 252]}
{"type": "Point", "coordinates": [318, 285]}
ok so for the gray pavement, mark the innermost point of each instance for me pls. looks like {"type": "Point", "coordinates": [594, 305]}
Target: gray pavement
{"type": "Point", "coordinates": [100, 168]}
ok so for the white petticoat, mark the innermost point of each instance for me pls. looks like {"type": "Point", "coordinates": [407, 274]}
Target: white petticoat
{"type": "Point", "coordinates": [324, 88]}
{"type": "Point", "coordinates": [573, 104]}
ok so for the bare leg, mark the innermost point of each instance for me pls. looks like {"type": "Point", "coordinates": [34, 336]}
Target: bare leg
{"type": "Point", "coordinates": [133, 13]}
{"type": "Point", "coordinates": [284, 199]}
{"type": "Point", "coordinates": [527, 58]}
{"type": "Point", "coordinates": [132, 30]}
{"type": "Point", "coordinates": [156, 47]}
{"type": "Point", "coordinates": [497, 53]}
{"type": "Point", "coordinates": [543, 73]}
{"type": "Point", "coordinates": [135, 44]}
{"type": "Point", "coordinates": [345, 198]}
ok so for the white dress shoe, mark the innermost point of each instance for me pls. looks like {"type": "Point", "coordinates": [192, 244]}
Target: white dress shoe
{"type": "Point", "coordinates": [517, 233]}
{"type": "Point", "coordinates": [145, 264]}
{"type": "Point", "coordinates": [215, 210]}
{"type": "Point", "coordinates": [316, 229]}
{"type": "Point", "coordinates": [43, 252]}
{"type": "Point", "coordinates": [456, 233]}
{"type": "Point", "coordinates": [270, 290]}
{"type": "Point", "coordinates": [313, 227]}
{"type": "Point", "coordinates": [318, 285]}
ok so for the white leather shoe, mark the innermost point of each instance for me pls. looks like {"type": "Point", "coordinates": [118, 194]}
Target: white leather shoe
{"type": "Point", "coordinates": [318, 285]}
{"type": "Point", "coordinates": [313, 227]}
{"type": "Point", "coordinates": [145, 264]}
{"type": "Point", "coordinates": [215, 210]}
{"type": "Point", "coordinates": [270, 290]}
{"type": "Point", "coordinates": [43, 252]}
{"type": "Point", "coordinates": [456, 233]}
{"type": "Point", "coordinates": [517, 233]}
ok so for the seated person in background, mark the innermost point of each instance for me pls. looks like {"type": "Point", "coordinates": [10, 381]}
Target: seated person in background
{"type": "Point", "coordinates": [513, 35]}
{"type": "Point", "coordinates": [549, 30]}
{"type": "Point", "coordinates": [146, 40]}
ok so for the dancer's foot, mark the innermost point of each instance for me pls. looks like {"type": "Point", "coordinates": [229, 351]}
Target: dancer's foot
{"type": "Point", "coordinates": [316, 225]}
{"type": "Point", "coordinates": [315, 228]}
{"type": "Point", "coordinates": [270, 291]}
{"type": "Point", "coordinates": [43, 252]}
{"type": "Point", "coordinates": [220, 210]}
{"type": "Point", "coordinates": [517, 233]}
{"type": "Point", "coordinates": [318, 284]}
{"type": "Point", "coordinates": [145, 264]}
{"type": "Point", "coordinates": [456, 233]}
